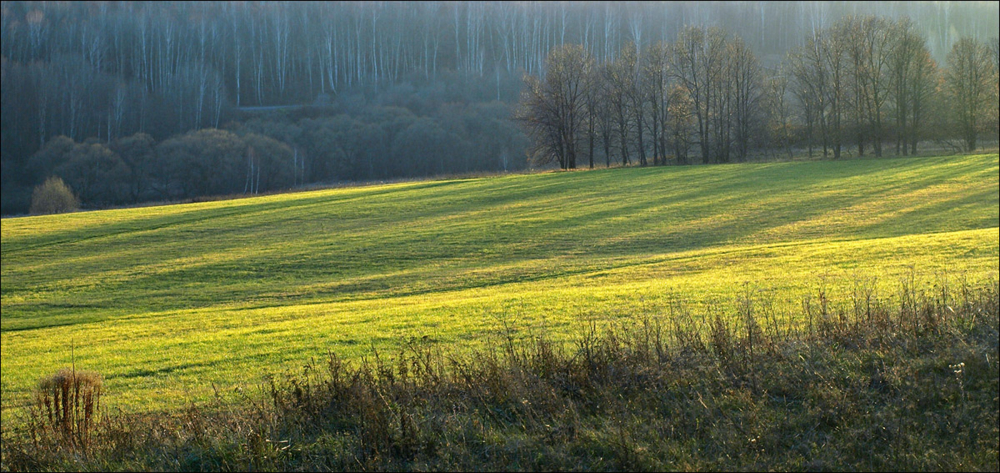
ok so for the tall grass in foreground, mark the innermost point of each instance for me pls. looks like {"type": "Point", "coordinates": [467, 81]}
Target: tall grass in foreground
{"type": "Point", "coordinates": [907, 381]}
{"type": "Point", "coordinates": [66, 404]}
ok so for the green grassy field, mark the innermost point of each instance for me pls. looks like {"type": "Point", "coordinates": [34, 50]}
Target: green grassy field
{"type": "Point", "coordinates": [165, 301]}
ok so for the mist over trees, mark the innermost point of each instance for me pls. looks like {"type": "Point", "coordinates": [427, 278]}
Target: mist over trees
{"type": "Point", "coordinates": [111, 96]}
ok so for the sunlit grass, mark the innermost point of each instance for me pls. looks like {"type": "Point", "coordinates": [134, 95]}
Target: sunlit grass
{"type": "Point", "coordinates": [165, 301]}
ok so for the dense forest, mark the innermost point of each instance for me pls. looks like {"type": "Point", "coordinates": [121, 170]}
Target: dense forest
{"type": "Point", "coordinates": [140, 101]}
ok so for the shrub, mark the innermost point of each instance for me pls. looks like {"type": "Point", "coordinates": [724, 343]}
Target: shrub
{"type": "Point", "coordinates": [53, 196]}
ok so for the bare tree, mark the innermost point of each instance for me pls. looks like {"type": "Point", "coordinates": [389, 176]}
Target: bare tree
{"type": "Point", "coordinates": [804, 89]}
{"type": "Point", "coordinates": [720, 74]}
{"type": "Point", "coordinates": [656, 84]}
{"type": "Point", "coordinates": [747, 88]}
{"type": "Point", "coordinates": [850, 31]}
{"type": "Point", "coordinates": [835, 61]}
{"type": "Point", "coordinates": [620, 88]}
{"type": "Point", "coordinates": [593, 93]}
{"type": "Point", "coordinates": [689, 69]}
{"type": "Point", "coordinates": [968, 81]}
{"type": "Point", "coordinates": [778, 110]}
{"type": "Point", "coordinates": [903, 66]}
{"type": "Point", "coordinates": [680, 122]}
{"type": "Point", "coordinates": [922, 88]}
{"type": "Point", "coordinates": [553, 109]}
{"type": "Point", "coordinates": [636, 93]}
{"type": "Point", "coordinates": [604, 111]}
{"type": "Point", "coordinates": [873, 45]}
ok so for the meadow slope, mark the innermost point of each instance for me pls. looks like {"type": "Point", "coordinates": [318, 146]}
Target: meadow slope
{"type": "Point", "coordinates": [167, 301]}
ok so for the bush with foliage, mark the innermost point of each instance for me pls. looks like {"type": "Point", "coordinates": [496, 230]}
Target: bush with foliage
{"type": "Point", "coordinates": [53, 196]}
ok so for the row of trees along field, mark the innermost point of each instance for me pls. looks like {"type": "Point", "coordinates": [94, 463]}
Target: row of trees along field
{"type": "Point", "coordinates": [864, 82]}
{"type": "Point", "coordinates": [279, 152]}
{"type": "Point", "coordinates": [102, 72]}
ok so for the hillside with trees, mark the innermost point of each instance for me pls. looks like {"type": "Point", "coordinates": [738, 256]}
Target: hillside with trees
{"type": "Point", "coordinates": [124, 100]}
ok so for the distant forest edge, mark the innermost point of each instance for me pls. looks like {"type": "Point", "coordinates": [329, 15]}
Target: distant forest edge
{"type": "Point", "coordinates": [133, 101]}
{"type": "Point", "coordinates": [862, 82]}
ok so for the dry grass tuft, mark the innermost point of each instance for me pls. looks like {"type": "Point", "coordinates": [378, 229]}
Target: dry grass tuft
{"type": "Point", "coordinates": [67, 405]}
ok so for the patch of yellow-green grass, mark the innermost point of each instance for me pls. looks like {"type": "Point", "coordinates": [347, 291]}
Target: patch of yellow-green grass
{"type": "Point", "coordinates": [165, 301]}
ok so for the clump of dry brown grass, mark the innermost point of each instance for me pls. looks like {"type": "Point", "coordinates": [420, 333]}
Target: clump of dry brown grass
{"type": "Point", "coordinates": [67, 405]}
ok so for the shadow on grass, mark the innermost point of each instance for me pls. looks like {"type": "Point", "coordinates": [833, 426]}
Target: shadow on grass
{"type": "Point", "coordinates": [906, 381]}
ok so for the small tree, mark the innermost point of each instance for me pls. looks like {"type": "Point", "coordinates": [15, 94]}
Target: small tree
{"type": "Point", "coordinates": [553, 109]}
{"type": "Point", "coordinates": [53, 196]}
{"type": "Point", "coordinates": [968, 82]}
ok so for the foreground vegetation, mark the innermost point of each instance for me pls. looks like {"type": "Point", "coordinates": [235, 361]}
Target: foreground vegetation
{"type": "Point", "coordinates": [165, 302]}
{"type": "Point", "coordinates": [873, 381]}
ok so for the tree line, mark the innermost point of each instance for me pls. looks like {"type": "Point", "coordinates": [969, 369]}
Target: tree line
{"type": "Point", "coordinates": [107, 71]}
{"type": "Point", "coordinates": [279, 151]}
{"type": "Point", "coordinates": [864, 82]}
{"type": "Point", "coordinates": [111, 69]}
